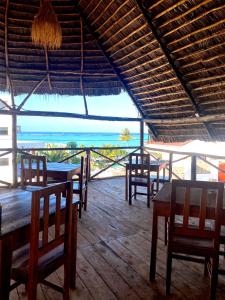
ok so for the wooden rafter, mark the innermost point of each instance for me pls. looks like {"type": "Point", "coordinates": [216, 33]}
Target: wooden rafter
{"type": "Point", "coordinates": [31, 92]}
{"type": "Point", "coordinates": [117, 72]}
{"type": "Point", "coordinates": [68, 115]}
{"type": "Point", "coordinates": [134, 51]}
{"type": "Point", "coordinates": [6, 44]}
{"type": "Point", "coordinates": [195, 106]}
{"type": "Point", "coordinates": [6, 104]}
{"type": "Point", "coordinates": [82, 64]}
{"type": "Point", "coordinates": [187, 120]}
{"type": "Point", "coordinates": [47, 69]}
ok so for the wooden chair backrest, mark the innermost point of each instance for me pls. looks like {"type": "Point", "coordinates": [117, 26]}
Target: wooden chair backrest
{"type": "Point", "coordinates": [33, 170]}
{"type": "Point", "coordinates": [196, 198]}
{"type": "Point", "coordinates": [139, 165]}
{"type": "Point", "coordinates": [84, 173]}
{"type": "Point", "coordinates": [51, 207]}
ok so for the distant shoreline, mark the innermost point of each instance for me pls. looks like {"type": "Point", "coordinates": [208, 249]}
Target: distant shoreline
{"type": "Point", "coordinates": [83, 139]}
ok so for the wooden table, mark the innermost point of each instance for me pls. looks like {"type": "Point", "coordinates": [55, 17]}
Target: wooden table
{"type": "Point", "coordinates": [16, 214]}
{"type": "Point", "coordinates": [60, 171]}
{"type": "Point", "coordinates": [155, 166]}
{"type": "Point", "coordinates": [161, 208]}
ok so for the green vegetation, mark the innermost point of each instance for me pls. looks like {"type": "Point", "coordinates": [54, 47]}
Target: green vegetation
{"type": "Point", "coordinates": [59, 155]}
{"type": "Point", "coordinates": [97, 160]}
{"type": "Point", "coordinates": [125, 135]}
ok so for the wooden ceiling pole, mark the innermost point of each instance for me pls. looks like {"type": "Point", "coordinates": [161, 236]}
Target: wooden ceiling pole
{"type": "Point", "coordinates": [31, 93]}
{"type": "Point", "coordinates": [12, 111]}
{"type": "Point", "coordinates": [197, 110]}
{"type": "Point", "coordinates": [69, 115]}
{"type": "Point", "coordinates": [6, 104]}
{"type": "Point", "coordinates": [116, 70]}
{"type": "Point", "coordinates": [82, 64]}
{"type": "Point", "coordinates": [47, 69]}
{"type": "Point", "coordinates": [186, 120]}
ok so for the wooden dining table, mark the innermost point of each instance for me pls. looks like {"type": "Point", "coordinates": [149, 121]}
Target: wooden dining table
{"type": "Point", "coordinates": [161, 208]}
{"type": "Point", "coordinates": [62, 171]}
{"type": "Point", "coordinates": [15, 230]}
{"type": "Point", "coordinates": [155, 166]}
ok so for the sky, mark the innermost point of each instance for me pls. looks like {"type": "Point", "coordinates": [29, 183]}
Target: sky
{"type": "Point", "coordinates": [119, 106]}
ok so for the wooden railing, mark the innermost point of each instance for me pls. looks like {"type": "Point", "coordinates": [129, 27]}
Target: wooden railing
{"type": "Point", "coordinates": [110, 162]}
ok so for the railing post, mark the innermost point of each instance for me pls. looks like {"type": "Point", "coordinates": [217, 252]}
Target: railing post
{"type": "Point", "coordinates": [193, 167]}
{"type": "Point", "coordinates": [88, 153]}
{"type": "Point", "coordinates": [14, 148]}
{"type": "Point", "coordinates": [142, 136]}
{"type": "Point", "coordinates": [170, 165]}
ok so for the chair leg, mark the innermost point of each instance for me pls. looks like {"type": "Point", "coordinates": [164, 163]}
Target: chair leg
{"type": "Point", "coordinates": [130, 194]}
{"type": "Point", "coordinates": [168, 272]}
{"type": "Point", "coordinates": [32, 290]}
{"type": "Point", "coordinates": [66, 286]}
{"type": "Point", "coordinates": [135, 192]}
{"type": "Point", "coordinates": [80, 204]}
{"type": "Point", "coordinates": [148, 195]}
{"type": "Point", "coordinates": [207, 261]}
{"type": "Point", "coordinates": [165, 230]}
{"type": "Point", "coordinates": [85, 199]}
{"type": "Point", "coordinates": [214, 277]}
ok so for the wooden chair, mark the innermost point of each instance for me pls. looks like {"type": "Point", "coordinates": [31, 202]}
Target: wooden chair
{"type": "Point", "coordinates": [139, 176]}
{"type": "Point", "coordinates": [33, 263]}
{"type": "Point", "coordinates": [192, 236]}
{"type": "Point", "coordinates": [33, 170]}
{"type": "Point", "coordinates": [80, 186]}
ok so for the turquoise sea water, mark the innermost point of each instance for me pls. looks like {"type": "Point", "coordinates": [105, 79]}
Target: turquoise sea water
{"type": "Point", "coordinates": [87, 139]}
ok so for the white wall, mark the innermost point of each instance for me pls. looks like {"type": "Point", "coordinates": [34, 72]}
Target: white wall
{"type": "Point", "coordinates": [6, 142]}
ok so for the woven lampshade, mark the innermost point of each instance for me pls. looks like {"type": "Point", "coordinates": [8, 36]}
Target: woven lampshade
{"type": "Point", "coordinates": [46, 30]}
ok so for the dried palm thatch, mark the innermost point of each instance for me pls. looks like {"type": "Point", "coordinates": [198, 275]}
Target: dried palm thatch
{"type": "Point", "coordinates": [46, 30]}
{"type": "Point", "coordinates": [168, 55]}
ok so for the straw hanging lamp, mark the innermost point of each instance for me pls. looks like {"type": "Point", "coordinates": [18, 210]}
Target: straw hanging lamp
{"type": "Point", "coordinates": [46, 30]}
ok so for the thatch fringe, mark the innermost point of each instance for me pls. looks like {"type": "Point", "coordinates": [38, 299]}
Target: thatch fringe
{"type": "Point", "coordinates": [46, 30]}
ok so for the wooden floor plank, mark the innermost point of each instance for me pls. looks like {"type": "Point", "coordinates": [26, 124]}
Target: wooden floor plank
{"type": "Point", "coordinates": [114, 242]}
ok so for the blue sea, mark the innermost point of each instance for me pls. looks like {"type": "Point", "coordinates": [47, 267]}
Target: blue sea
{"type": "Point", "coordinates": [87, 139]}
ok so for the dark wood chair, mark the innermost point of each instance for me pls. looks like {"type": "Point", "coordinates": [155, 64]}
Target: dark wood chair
{"type": "Point", "coordinates": [33, 170]}
{"type": "Point", "coordinates": [139, 176]}
{"type": "Point", "coordinates": [47, 250]}
{"type": "Point", "coordinates": [195, 239]}
{"type": "Point", "coordinates": [80, 185]}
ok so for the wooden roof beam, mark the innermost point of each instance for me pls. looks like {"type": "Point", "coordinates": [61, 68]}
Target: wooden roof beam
{"type": "Point", "coordinates": [164, 49]}
{"type": "Point", "coordinates": [82, 65]}
{"type": "Point", "coordinates": [6, 104]}
{"type": "Point", "coordinates": [68, 115]}
{"type": "Point", "coordinates": [188, 120]}
{"type": "Point", "coordinates": [116, 70]}
{"type": "Point", "coordinates": [31, 93]}
{"type": "Point", "coordinates": [47, 69]}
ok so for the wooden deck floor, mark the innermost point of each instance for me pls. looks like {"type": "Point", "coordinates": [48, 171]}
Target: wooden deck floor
{"type": "Point", "coordinates": [113, 254]}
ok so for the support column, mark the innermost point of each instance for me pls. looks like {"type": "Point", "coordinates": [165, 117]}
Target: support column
{"type": "Point", "coordinates": [14, 148]}
{"type": "Point", "coordinates": [193, 167]}
{"type": "Point", "coordinates": [142, 136]}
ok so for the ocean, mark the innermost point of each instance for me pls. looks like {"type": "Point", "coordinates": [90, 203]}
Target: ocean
{"type": "Point", "coordinates": [87, 139]}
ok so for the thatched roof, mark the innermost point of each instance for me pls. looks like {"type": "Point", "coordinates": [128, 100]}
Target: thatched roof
{"type": "Point", "coordinates": [168, 55]}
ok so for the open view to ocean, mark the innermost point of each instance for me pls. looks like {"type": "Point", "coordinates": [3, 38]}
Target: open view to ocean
{"type": "Point", "coordinates": [87, 139]}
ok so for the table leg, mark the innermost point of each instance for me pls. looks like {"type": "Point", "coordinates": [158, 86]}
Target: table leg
{"type": "Point", "coordinates": [157, 182]}
{"type": "Point", "coordinates": [154, 245]}
{"type": "Point", "coordinates": [74, 249]}
{"type": "Point", "coordinates": [126, 184]}
{"type": "Point", "coordinates": [5, 267]}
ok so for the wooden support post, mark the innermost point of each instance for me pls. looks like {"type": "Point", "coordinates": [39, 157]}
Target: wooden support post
{"type": "Point", "coordinates": [88, 153]}
{"type": "Point", "coordinates": [170, 166]}
{"type": "Point", "coordinates": [141, 137]}
{"type": "Point", "coordinates": [14, 149]}
{"type": "Point", "coordinates": [193, 167]}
